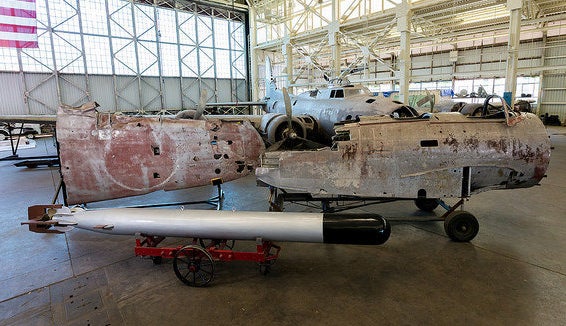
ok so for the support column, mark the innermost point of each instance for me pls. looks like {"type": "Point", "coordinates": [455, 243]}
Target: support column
{"type": "Point", "coordinates": [287, 48]}
{"type": "Point", "coordinates": [394, 64]}
{"type": "Point", "coordinates": [514, 7]}
{"type": "Point", "coordinates": [403, 26]}
{"type": "Point", "coordinates": [454, 61]}
{"type": "Point", "coordinates": [365, 52]}
{"type": "Point", "coordinates": [252, 52]}
{"type": "Point", "coordinates": [541, 74]}
{"type": "Point", "coordinates": [333, 29]}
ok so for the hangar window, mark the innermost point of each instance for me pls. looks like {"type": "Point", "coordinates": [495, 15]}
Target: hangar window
{"type": "Point", "coordinates": [99, 39]}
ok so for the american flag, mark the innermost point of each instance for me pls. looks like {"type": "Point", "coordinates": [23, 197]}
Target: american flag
{"type": "Point", "coordinates": [18, 26]}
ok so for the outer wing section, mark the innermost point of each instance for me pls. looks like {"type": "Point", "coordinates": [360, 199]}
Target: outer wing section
{"type": "Point", "coordinates": [38, 118]}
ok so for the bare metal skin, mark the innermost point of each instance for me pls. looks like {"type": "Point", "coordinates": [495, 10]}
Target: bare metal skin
{"type": "Point", "coordinates": [446, 155]}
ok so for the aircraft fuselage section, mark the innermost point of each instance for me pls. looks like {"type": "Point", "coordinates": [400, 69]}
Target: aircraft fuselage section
{"type": "Point", "coordinates": [328, 112]}
{"type": "Point", "coordinates": [105, 155]}
{"type": "Point", "coordinates": [447, 155]}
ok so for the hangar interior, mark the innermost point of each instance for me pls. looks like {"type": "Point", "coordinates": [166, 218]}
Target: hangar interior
{"type": "Point", "coordinates": [157, 56]}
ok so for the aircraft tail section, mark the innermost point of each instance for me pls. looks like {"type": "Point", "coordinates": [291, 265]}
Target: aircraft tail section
{"type": "Point", "coordinates": [270, 87]}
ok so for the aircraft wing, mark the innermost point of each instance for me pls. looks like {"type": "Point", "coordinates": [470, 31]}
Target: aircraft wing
{"type": "Point", "coordinates": [258, 103]}
{"type": "Point", "coordinates": [45, 118]}
{"type": "Point", "coordinates": [28, 118]}
{"type": "Point", "coordinates": [255, 120]}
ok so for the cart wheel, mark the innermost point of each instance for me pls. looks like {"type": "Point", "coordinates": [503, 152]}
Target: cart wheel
{"type": "Point", "coordinates": [194, 266]}
{"type": "Point", "coordinates": [157, 260]}
{"type": "Point", "coordinates": [265, 267]}
{"type": "Point", "coordinates": [219, 244]}
{"type": "Point", "coordinates": [426, 204]}
{"type": "Point", "coordinates": [461, 226]}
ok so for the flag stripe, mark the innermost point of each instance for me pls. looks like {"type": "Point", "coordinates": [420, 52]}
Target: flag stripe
{"type": "Point", "coordinates": [17, 21]}
{"type": "Point", "coordinates": [17, 44]}
{"type": "Point", "coordinates": [17, 12]}
{"type": "Point", "coordinates": [18, 24]}
{"type": "Point", "coordinates": [18, 29]}
{"type": "Point", "coordinates": [18, 4]}
{"type": "Point", "coordinates": [11, 36]}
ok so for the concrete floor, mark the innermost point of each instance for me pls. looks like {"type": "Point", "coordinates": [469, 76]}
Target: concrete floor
{"type": "Point", "coordinates": [513, 273]}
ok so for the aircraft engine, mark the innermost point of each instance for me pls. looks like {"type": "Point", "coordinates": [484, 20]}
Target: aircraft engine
{"type": "Point", "coordinates": [273, 125]}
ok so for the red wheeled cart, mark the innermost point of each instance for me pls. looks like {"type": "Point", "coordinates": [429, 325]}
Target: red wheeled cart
{"type": "Point", "coordinates": [194, 263]}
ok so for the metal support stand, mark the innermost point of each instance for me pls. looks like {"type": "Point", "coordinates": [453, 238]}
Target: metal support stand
{"type": "Point", "coordinates": [219, 198]}
{"type": "Point", "coordinates": [213, 201]}
{"type": "Point", "coordinates": [56, 195]}
{"type": "Point", "coordinates": [329, 204]}
{"type": "Point", "coordinates": [14, 155]}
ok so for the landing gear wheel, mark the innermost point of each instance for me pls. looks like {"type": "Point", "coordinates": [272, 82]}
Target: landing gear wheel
{"type": "Point", "coordinates": [277, 204]}
{"type": "Point", "coordinates": [426, 204]}
{"type": "Point", "coordinates": [384, 233]}
{"type": "Point", "coordinates": [461, 226]}
{"type": "Point", "coordinates": [326, 207]}
{"type": "Point", "coordinates": [194, 266]}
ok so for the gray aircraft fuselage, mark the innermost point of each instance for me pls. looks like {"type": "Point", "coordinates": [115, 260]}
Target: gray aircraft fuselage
{"type": "Point", "coordinates": [337, 104]}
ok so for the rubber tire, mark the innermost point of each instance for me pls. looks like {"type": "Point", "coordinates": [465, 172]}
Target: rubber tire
{"type": "Point", "coordinates": [461, 226]}
{"type": "Point", "coordinates": [426, 204]}
{"type": "Point", "coordinates": [205, 257]}
{"type": "Point", "coordinates": [385, 233]}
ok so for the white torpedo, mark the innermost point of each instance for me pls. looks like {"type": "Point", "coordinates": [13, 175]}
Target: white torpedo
{"type": "Point", "coordinates": [364, 229]}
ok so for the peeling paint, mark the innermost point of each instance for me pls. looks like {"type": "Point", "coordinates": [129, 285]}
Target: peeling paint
{"type": "Point", "coordinates": [401, 157]}
{"type": "Point", "coordinates": [106, 156]}
{"type": "Point", "coordinates": [472, 143]}
{"type": "Point", "coordinates": [500, 145]}
{"type": "Point", "coordinates": [452, 142]}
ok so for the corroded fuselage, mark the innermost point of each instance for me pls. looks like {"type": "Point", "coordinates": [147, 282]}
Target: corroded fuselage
{"type": "Point", "coordinates": [445, 155]}
{"type": "Point", "coordinates": [105, 155]}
